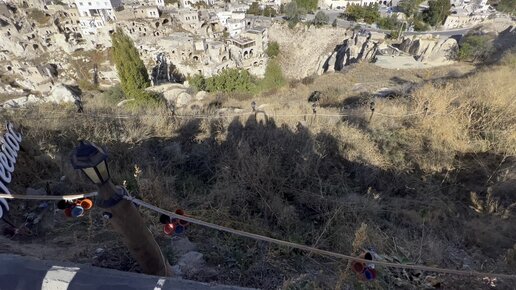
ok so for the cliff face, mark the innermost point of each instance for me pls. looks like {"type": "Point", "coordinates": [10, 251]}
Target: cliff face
{"type": "Point", "coordinates": [357, 48]}
{"type": "Point", "coordinates": [429, 50]}
{"type": "Point", "coordinates": [309, 51]}
{"type": "Point", "coordinates": [304, 51]}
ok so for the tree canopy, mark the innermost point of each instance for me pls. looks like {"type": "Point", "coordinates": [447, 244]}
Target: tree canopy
{"type": "Point", "coordinates": [131, 70]}
{"type": "Point", "coordinates": [235, 80]}
{"type": "Point", "coordinates": [255, 9]}
{"type": "Point", "coordinates": [273, 49]}
{"type": "Point", "coordinates": [321, 18]}
{"type": "Point", "coordinates": [307, 5]}
{"type": "Point", "coordinates": [291, 11]}
{"type": "Point", "coordinates": [437, 12]}
{"type": "Point", "coordinates": [507, 6]}
{"type": "Point", "coordinates": [228, 81]}
{"type": "Point", "coordinates": [410, 7]}
{"type": "Point", "coordinates": [475, 47]}
{"type": "Point", "coordinates": [369, 14]}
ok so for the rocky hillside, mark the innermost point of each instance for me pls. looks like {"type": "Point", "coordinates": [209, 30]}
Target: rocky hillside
{"type": "Point", "coordinates": [305, 50]}
{"type": "Point", "coordinates": [310, 51]}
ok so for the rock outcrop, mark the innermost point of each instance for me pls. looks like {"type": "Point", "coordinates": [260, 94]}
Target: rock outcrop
{"type": "Point", "coordinates": [21, 102]}
{"type": "Point", "coordinates": [63, 94]}
{"type": "Point", "coordinates": [305, 50]}
{"type": "Point", "coordinates": [60, 94]}
{"type": "Point", "coordinates": [429, 50]}
{"type": "Point", "coordinates": [358, 48]}
{"type": "Point", "coordinates": [177, 96]}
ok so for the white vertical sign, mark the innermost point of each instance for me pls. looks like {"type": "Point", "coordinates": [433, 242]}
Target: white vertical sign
{"type": "Point", "coordinates": [9, 147]}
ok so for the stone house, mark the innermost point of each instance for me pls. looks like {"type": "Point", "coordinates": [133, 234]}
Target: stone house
{"type": "Point", "coordinates": [255, 21]}
{"type": "Point", "coordinates": [233, 22]}
{"type": "Point", "coordinates": [235, 26]}
{"type": "Point", "coordinates": [464, 20]}
{"type": "Point", "coordinates": [94, 14]}
{"type": "Point", "coordinates": [137, 12]}
{"type": "Point", "coordinates": [260, 36]}
{"type": "Point", "coordinates": [157, 3]}
{"type": "Point", "coordinates": [238, 7]}
{"type": "Point", "coordinates": [189, 19]}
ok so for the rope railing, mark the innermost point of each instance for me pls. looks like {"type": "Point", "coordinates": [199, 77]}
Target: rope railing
{"type": "Point", "coordinates": [220, 115]}
{"type": "Point", "coordinates": [312, 249]}
{"type": "Point", "coordinates": [269, 239]}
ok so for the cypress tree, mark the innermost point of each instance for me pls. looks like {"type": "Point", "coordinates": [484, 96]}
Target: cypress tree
{"type": "Point", "coordinates": [131, 70]}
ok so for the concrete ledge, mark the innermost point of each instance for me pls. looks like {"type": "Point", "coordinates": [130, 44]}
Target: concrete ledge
{"type": "Point", "coordinates": [26, 273]}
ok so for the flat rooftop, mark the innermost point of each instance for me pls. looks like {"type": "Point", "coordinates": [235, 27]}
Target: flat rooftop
{"type": "Point", "coordinates": [242, 41]}
{"type": "Point", "coordinates": [256, 30]}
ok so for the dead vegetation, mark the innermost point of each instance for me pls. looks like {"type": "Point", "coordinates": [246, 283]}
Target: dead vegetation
{"type": "Point", "coordinates": [39, 16]}
{"type": "Point", "coordinates": [430, 187]}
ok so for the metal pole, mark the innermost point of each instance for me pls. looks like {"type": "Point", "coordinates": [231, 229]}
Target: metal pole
{"type": "Point", "coordinates": [126, 220]}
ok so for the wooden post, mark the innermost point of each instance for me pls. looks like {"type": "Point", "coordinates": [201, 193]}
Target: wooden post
{"type": "Point", "coordinates": [126, 220]}
{"type": "Point", "coordinates": [371, 107]}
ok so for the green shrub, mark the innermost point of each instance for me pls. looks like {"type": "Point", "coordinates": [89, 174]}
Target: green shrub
{"type": "Point", "coordinates": [147, 99]}
{"type": "Point", "coordinates": [390, 23]}
{"type": "Point", "coordinates": [321, 18]}
{"type": "Point", "coordinates": [255, 9]}
{"type": "Point", "coordinates": [307, 5]}
{"type": "Point", "coordinates": [228, 81]}
{"type": "Point", "coordinates": [437, 12]}
{"type": "Point", "coordinates": [39, 16]}
{"type": "Point", "coordinates": [273, 49]}
{"type": "Point", "coordinates": [198, 82]}
{"type": "Point", "coordinates": [292, 23]}
{"type": "Point", "coordinates": [269, 12]}
{"type": "Point", "coordinates": [394, 34]}
{"type": "Point", "coordinates": [369, 14]}
{"type": "Point", "coordinates": [419, 24]}
{"type": "Point", "coordinates": [273, 78]}
{"type": "Point", "coordinates": [475, 47]}
{"type": "Point", "coordinates": [507, 6]}
{"type": "Point", "coordinates": [292, 11]}
{"type": "Point", "coordinates": [410, 7]}
{"type": "Point", "coordinates": [113, 95]}
{"type": "Point", "coordinates": [240, 81]}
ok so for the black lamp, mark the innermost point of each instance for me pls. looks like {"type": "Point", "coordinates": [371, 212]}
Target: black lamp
{"type": "Point", "coordinates": [91, 160]}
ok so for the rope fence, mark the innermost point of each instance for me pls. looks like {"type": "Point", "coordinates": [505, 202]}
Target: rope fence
{"type": "Point", "coordinates": [60, 115]}
{"type": "Point", "coordinates": [312, 249]}
{"type": "Point", "coordinates": [269, 239]}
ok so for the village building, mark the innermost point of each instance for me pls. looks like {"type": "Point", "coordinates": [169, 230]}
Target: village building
{"type": "Point", "coordinates": [342, 4]}
{"type": "Point", "coordinates": [94, 14]}
{"type": "Point", "coordinates": [466, 13]}
{"type": "Point", "coordinates": [137, 12]}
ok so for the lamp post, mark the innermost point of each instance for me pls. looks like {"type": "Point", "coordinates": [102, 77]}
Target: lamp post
{"type": "Point", "coordinates": [123, 215]}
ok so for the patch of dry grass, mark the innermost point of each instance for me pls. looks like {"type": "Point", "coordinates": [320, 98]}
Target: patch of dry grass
{"type": "Point", "coordinates": [39, 16]}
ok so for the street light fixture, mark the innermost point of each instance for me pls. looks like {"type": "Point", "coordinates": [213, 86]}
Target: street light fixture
{"type": "Point", "coordinates": [92, 161]}
{"type": "Point", "coordinates": [122, 214]}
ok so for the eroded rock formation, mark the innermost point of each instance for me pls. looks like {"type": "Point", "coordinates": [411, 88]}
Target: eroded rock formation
{"type": "Point", "coordinates": [429, 50]}
{"type": "Point", "coordinates": [360, 47]}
